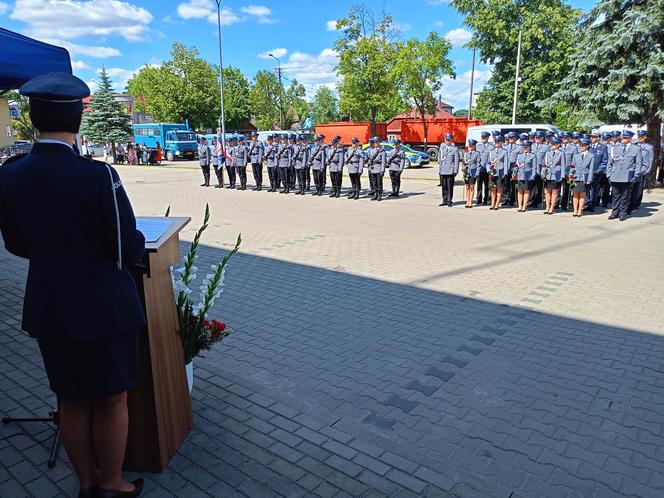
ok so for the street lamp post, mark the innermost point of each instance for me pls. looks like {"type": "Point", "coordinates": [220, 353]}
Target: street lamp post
{"type": "Point", "coordinates": [281, 87]}
{"type": "Point", "coordinates": [222, 120]}
{"type": "Point", "coordinates": [516, 80]}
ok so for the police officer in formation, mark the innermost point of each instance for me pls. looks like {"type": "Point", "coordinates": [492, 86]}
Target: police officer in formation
{"type": "Point", "coordinates": [256, 154]}
{"type": "Point", "coordinates": [526, 175]}
{"type": "Point", "coordinates": [471, 168]}
{"type": "Point", "coordinates": [271, 150]}
{"type": "Point", "coordinates": [318, 163]}
{"type": "Point", "coordinates": [204, 161]}
{"type": "Point", "coordinates": [498, 169]}
{"type": "Point", "coordinates": [240, 161]}
{"type": "Point", "coordinates": [376, 163]}
{"type": "Point", "coordinates": [396, 162]}
{"type": "Point", "coordinates": [483, 147]}
{"type": "Point", "coordinates": [336, 156]}
{"type": "Point", "coordinates": [355, 162]}
{"type": "Point", "coordinates": [448, 167]}
{"type": "Point", "coordinates": [301, 159]}
{"type": "Point", "coordinates": [284, 161]}
{"type": "Point", "coordinates": [230, 163]}
{"type": "Point", "coordinates": [624, 171]}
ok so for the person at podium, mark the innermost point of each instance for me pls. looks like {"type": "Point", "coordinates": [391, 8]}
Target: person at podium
{"type": "Point", "coordinates": [71, 218]}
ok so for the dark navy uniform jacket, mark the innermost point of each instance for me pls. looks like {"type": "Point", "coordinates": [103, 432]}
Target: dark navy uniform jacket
{"type": "Point", "coordinates": [57, 210]}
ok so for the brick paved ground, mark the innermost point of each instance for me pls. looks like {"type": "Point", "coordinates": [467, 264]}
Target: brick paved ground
{"type": "Point", "coordinates": [397, 349]}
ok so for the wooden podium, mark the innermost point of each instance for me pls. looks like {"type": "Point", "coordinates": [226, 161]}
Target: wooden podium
{"type": "Point", "coordinates": [160, 415]}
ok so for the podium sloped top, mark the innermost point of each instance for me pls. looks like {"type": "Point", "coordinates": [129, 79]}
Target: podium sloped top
{"type": "Point", "coordinates": [177, 223]}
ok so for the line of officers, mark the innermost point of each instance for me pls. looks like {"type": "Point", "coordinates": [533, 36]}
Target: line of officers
{"type": "Point", "coordinates": [527, 169]}
{"type": "Point", "coordinates": [292, 163]}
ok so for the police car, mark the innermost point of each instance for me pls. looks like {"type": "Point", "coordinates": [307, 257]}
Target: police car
{"type": "Point", "coordinates": [414, 158]}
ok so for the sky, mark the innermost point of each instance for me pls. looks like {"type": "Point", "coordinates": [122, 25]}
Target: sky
{"type": "Point", "coordinates": [123, 36]}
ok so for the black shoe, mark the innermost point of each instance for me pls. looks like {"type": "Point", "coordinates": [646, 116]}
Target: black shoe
{"type": "Point", "coordinates": [88, 493]}
{"type": "Point", "coordinates": [392, 195]}
{"type": "Point", "coordinates": [203, 185]}
{"type": "Point", "coordinates": [380, 197]}
{"type": "Point", "coordinates": [109, 493]}
{"type": "Point", "coordinates": [338, 193]}
{"type": "Point", "coordinates": [443, 204]}
{"type": "Point", "coordinates": [623, 218]}
{"type": "Point", "coordinates": [333, 194]}
{"type": "Point", "coordinates": [374, 197]}
{"type": "Point", "coordinates": [255, 188]}
{"type": "Point", "coordinates": [218, 186]}
{"type": "Point", "coordinates": [449, 204]}
{"type": "Point", "coordinates": [613, 216]}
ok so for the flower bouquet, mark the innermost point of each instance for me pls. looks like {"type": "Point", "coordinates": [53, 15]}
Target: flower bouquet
{"type": "Point", "coordinates": [198, 334]}
{"type": "Point", "coordinates": [466, 173]}
{"type": "Point", "coordinates": [493, 173]}
{"type": "Point", "coordinates": [515, 175]}
{"type": "Point", "coordinates": [571, 177]}
{"type": "Point", "coordinates": [545, 172]}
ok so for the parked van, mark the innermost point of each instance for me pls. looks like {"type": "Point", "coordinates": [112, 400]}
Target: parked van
{"type": "Point", "coordinates": [176, 140]}
{"type": "Point", "coordinates": [475, 132]}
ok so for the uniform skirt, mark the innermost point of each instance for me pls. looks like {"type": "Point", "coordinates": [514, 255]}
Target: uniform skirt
{"type": "Point", "coordinates": [92, 369]}
{"type": "Point", "coordinates": [579, 187]}
{"type": "Point", "coordinates": [552, 184]}
{"type": "Point", "coordinates": [499, 181]}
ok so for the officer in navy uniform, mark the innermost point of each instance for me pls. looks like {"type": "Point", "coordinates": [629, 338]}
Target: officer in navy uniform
{"type": "Point", "coordinates": [396, 162]}
{"type": "Point", "coordinates": [448, 167]}
{"type": "Point", "coordinates": [284, 160]}
{"type": "Point", "coordinates": [376, 164]}
{"type": "Point", "coordinates": [271, 150]}
{"type": "Point", "coordinates": [318, 162]}
{"type": "Point", "coordinates": [625, 163]}
{"type": "Point", "coordinates": [600, 159]}
{"type": "Point", "coordinates": [355, 162]}
{"type": "Point", "coordinates": [647, 154]}
{"type": "Point", "coordinates": [256, 155]}
{"type": "Point", "coordinates": [70, 217]}
{"type": "Point", "coordinates": [301, 159]}
{"type": "Point", "coordinates": [482, 176]}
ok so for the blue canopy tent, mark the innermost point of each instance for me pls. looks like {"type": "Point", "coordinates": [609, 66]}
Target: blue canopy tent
{"type": "Point", "coordinates": [22, 58]}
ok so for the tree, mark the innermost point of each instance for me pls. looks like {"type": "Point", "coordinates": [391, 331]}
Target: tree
{"type": "Point", "coordinates": [367, 57]}
{"type": "Point", "coordinates": [547, 34]}
{"type": "Point", "coordinates": [107, 121]}
{"type": "Point", "coordinates": [624, 81]}
{"type": "Point", "coordinates": [275, 106]}
{"type": "Point", "coordinates": [461, 113]}
{"type": "Point", "coordinates": [419, 70]}
{"type": "Point", "coordinates": [187, 87]}
{"type": "Point", "coordinates": [325, 106]}
{"type": "Point", "coordinates": [22, 125]}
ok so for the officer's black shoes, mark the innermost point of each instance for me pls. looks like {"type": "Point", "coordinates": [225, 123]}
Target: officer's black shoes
{"type": "Point", "coordinates": [613, 216]}
{"type": "Point", "coordinates": [445, 204]}
{"type": "Point", "coordinates": [338, 193]}
{"type": "Point", "coordinates": [203, 184]}
{"type": "Point", "coordinates": [379, 197]}
{"type": "Point", "coordinates": [333, 194]}
{"type": "Point", "coordinates": [218, 186]}
{"type": "Point", "coordinates": [623, 218]}
{"type": "Point", "coordinates": [449, 204]}
{"type": "Point", "coordinates": [138, 488]}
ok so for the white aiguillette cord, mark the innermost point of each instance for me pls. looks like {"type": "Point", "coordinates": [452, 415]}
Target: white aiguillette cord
{"type": "Point", "coordinates": [117, 217]}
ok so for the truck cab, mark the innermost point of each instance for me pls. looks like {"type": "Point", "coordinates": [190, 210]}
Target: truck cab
{"type": "Point", "coordinates": [175, 139]}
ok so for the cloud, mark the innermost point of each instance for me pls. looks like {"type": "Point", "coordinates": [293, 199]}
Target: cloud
{"type": "Point", "coordinates": [99, 52]}
{"type": "Point", "coordinates": [401, 27]}
{"type": "Point", "coordinates": [79, 66]}
{"type": "Point", "coordinates": [331, 25]}
{"type": "Point", "coordinates": [72, 19]}
{"type": "Point", "coordinates": [260, 12]}
{"type": "Point", "coordinates": [459, 37]}
{"type": "Point", "coordinates": [4, 7]}
{"type": "Point", "coordinates": [312, 71]}
{"type": "Point", "coordinates": [439, 24]}
{"type": "Point", "coordinates": [456, 92]}
{"type": "Point", "coordinates": [277, 52]}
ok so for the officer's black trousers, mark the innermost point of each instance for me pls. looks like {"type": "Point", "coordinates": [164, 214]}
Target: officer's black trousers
{"type": "Point", "coordinates": [604, 196]}
{"type": "Point", "coordinates": [218, 171]}
{"type": "Point", "coordinates": [206, 173]}
{"type": "Point", "coordinates": [301, 178]}
{"type": "Point", "coordinates": [447, 187]}
{"type": "Point", "coordinates": [482, 187]}
{"type": "Point", "coordinates": [377, 182]}
{"type": "Point", "coordinates": [564, 195]}
{"type": "Point", "coordinates": [356, 186]}
{"type": "Point", "coordinates": [231, 175]}
{"type": "Point", "coordinates": [635, 196]}
{"type": "Point", "coordinates": [336, 179]}
{"type": "Point", "coordinates": [242, 173]}
{"type": "Point", "coordinates": [395, 177]}
{"type": "Point", "coordinates": [621, 194]}
{"type": "Point", "coordinates": [592, 193]}
{"type": "Point", "coordinates": [307, 176]}
{"type": "Point", "coordinates": [273, 175]}
{"type": "Point", "coordinates": [257, 169]}
{"type": "Point", "coordinates": [536, 195]}
{"type": "Point", "coordinates": [372, 183]}
{"type": "Point", "coordinates": [284, 177]}
{"type": "Point", "coordinates": [291, 177]}
{"type": "Point", "coordinates": [509, 195]}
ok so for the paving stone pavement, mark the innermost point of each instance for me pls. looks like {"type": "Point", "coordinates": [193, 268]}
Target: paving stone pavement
{"type": "Point", "coordinates": [396, 349]}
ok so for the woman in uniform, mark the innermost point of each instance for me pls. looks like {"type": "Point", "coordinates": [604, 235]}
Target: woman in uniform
{"type": "Point", "coordinates": [580, 175]}
{"type": "Point", "coordinates": [553, 173]}
{"type": "Point", "coordinates": [526, 165]}
{"type": "Point", "coordinates": [471, 168]}
{"type": "Point", "coordinates": [498, 171]}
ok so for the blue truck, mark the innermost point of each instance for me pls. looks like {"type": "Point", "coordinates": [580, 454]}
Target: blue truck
{"type": "Point", "coordinates": [176, 139]}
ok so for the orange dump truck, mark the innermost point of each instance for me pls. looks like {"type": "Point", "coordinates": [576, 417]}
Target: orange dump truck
{"type": "Point", "coordinates": [412, 133]}
{"type": "Point", "coordinates": [348, 130]}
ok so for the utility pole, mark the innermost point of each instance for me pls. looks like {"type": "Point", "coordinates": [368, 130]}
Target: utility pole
{"type": "Point", "coordinates": [222, 120]}
{"type": "Point", "coordinates": [281, 87]}
{"type": "Point", "coordinates": [472, 80]}
{"type": "Point", "coordinates": [516, 80]}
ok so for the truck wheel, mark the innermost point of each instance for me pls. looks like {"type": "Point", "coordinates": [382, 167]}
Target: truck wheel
{"type": "Point", "coordinates": [169, 156]}
{"type": "Point", "coordinates": [433, 153]}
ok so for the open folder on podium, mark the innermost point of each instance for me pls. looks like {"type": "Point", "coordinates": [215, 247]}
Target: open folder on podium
{"type": "Point", "coordinates": [160, 415]}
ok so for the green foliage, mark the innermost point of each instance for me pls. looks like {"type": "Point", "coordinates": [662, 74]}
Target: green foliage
{"type": "Point", "coordinates": [107, 121]}
{"type": "Point", "coordinates": [187, 87]}
{"type": "Point", "coordinates": [367, 60]}
{"type": "Point", "coordinates": [419, 70]}
{"type": "Point", "coordinates": [325, 107]}
{"type": "Point", "coordinates": [461, 113]}
{"type": "Point", "coordinates": [22, 125]}
{"type": "Point", "coordinates": [548, 34]}
{"type": "Point", "coordinates": [275, 106]}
